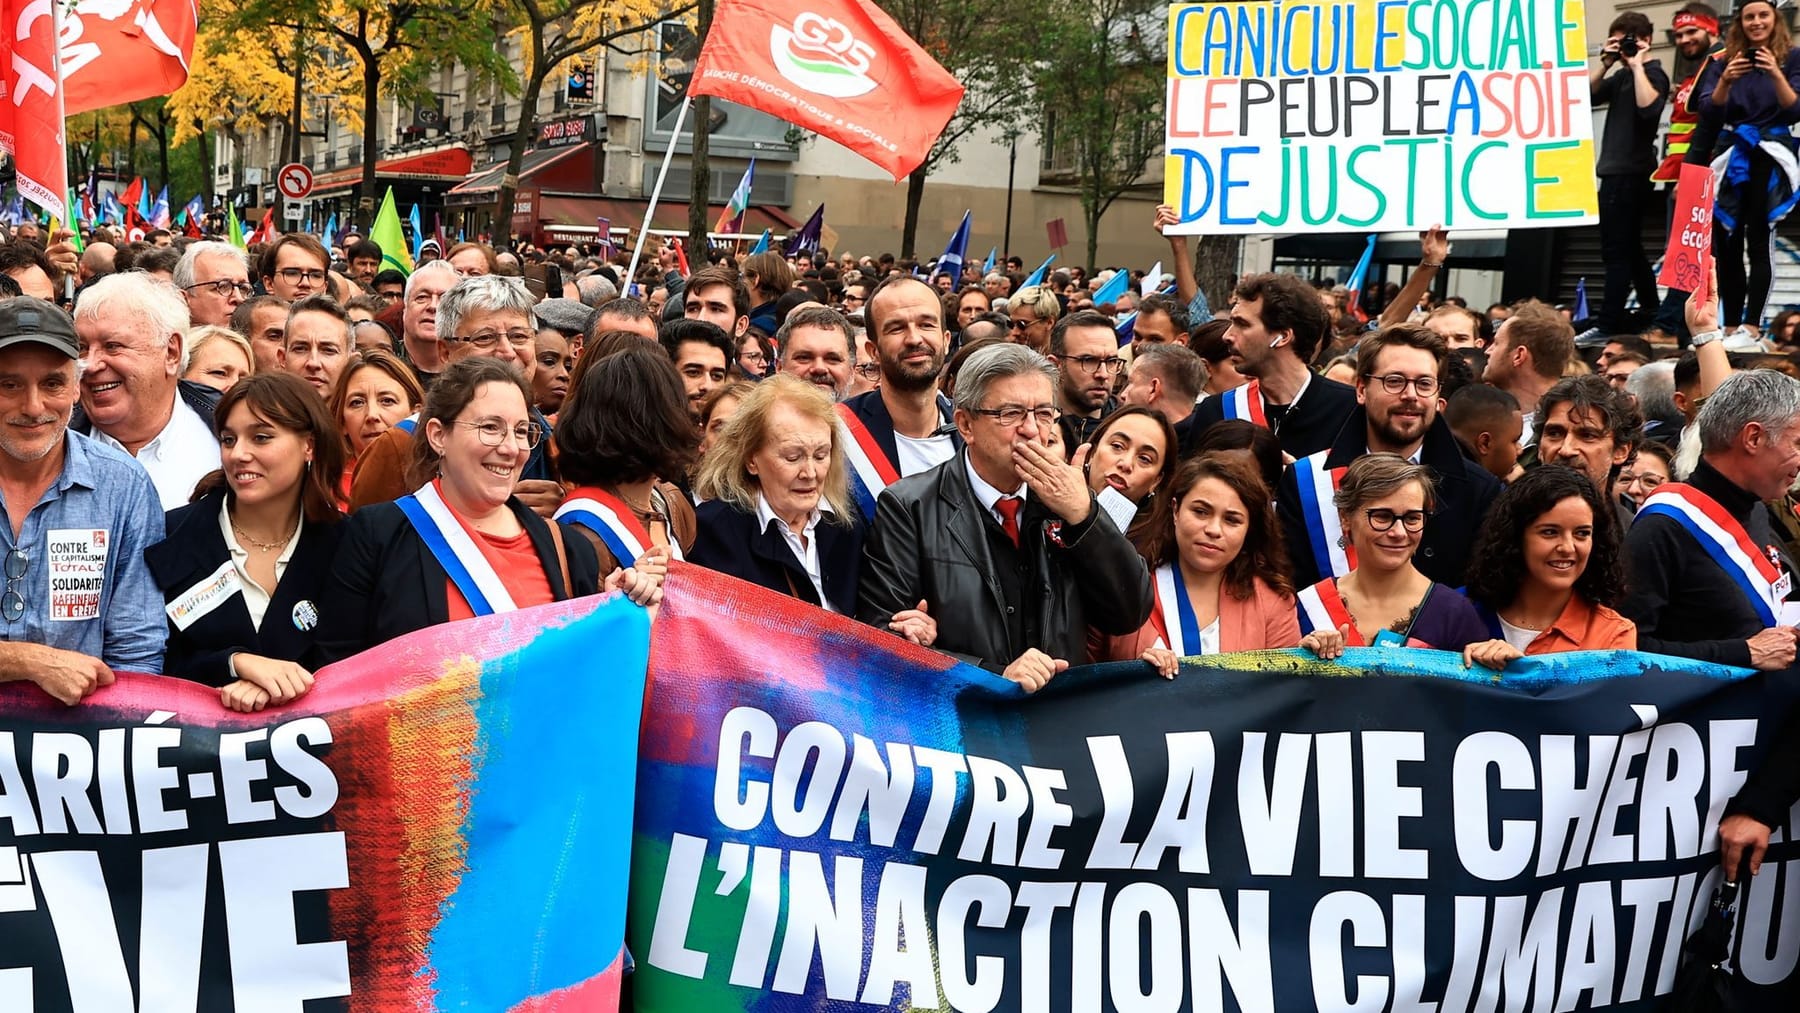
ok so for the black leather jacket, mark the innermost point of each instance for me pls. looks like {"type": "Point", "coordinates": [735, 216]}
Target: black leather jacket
{"type": "Point", "coordinates": [929, 542]}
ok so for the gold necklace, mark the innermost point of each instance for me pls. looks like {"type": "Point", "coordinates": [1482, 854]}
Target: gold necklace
{"type": "Point", "coordinates": [262, 546]}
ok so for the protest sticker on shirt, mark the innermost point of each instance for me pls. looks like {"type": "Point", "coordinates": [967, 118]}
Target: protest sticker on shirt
{"type": "Point", "coordinates": [1688, 261]}
{"type": "Point", "coordinates": [215, 589]}
{"type": "Point", "coordinates": [77, 564]}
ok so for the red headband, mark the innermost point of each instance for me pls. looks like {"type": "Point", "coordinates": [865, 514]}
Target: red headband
{"type": "Point", "coordinates": [1688, 19]}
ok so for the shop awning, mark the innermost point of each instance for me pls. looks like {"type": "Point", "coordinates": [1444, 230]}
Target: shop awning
{"type": "Point", "coordinates": [448, 165]}
{"type": "Point", "coordinates": [481, 187]}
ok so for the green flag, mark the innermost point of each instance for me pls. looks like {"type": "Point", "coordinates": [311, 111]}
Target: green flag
{"type": "Point", "coordinates": [234, 229]}
{"type": "Point", "coordinates": [391, 237]}
{"type": "Point", "coordinates": [72, 204]}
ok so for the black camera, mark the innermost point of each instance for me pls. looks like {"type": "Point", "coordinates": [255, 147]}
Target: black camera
{"type": "Point", "coordinates": [1628, 46]}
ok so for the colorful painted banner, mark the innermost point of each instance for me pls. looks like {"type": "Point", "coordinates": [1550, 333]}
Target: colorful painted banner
{"type": "Point", "coordinates": [1378, 115]}
{"type": "Point", "coordinates": [441, 824]}
{"type": "Point", "coordinates": [831, 819]}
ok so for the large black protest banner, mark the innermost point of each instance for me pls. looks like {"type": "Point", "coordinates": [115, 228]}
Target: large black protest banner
{"type": "Point", "coordinates": [828, 820]}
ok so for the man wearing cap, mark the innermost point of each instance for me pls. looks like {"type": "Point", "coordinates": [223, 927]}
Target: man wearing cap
{"type": "Point", "coordinates": [77, 601]}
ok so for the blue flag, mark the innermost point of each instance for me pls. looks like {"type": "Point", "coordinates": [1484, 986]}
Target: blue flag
{"type": "Point", "coordinates": [1114, 288]}
{"type": "Point", "coordinates": [1581, 303]}
{"type": "Point", "coordinates": [987, 266]}
{"type": "Point", "coordinates": [1359, 277]}
{"type": "Point", "coordinates": [762, 245]}
{"type": "Point", "coordinates": [418, 241]}
{"type": "Point", "coordinates": [1037, 276]}
{"type": "Point", "coordinates": [331, 230]}
{"type": "Point", "coordinates": [951, 262]}
{"type": "Point", "coordinates": [109, 208]}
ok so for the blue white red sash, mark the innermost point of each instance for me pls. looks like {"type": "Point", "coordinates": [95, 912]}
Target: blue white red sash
{"type": "Point", "coordinates": [1177, 626]}
{"type": "Point", "coordinates": [870, 469]}
{"type": "Point", "coordinates": [408, 424]}
{"type": "Point", "coordinates": [1245, 402]}
{"type": "Point", "coordinates": [456, 551]}
{"type": "Point", "coordinates": [1726, 541]}
{"type": "Point", "coordinates": [1318, 512]}
{"type": "Point", "coordinates": [1321, 608]}
{"type": "Point", "coordinates": [607, 515]}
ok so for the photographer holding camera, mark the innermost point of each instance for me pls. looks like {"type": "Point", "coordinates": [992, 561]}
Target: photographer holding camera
{"type": "Point", "coordinates": [1635, 100]}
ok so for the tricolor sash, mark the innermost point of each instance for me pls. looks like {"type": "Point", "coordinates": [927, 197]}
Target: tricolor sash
{"type": "Point", "coordinates": [456, 551]}
{"type": "Point", "coordinates": [1177, 626]}
{"type": "Point", "coordinates": [1319, 514]}
{"type": "Point", "coordinates": [408, 424]}
{"type": "Point", "coordinates": [607, 515]}
{"type": "Point", "coordinates": [870, 469]}
{"type": "Point", "coordinates": [1245, 402]}
{"type": "Point", "coordinates": [1322, 608]}
{"type": "Point", "coordinates": [1726, 541]}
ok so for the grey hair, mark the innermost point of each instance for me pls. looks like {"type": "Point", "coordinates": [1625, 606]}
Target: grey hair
{"type": "Point", "coordinates": [428, 268]}
{"type": "Point", "coordinates": [819, 316]}
{"type": "Point", "coordinates": [594, 289]}
{"type": "Point", "coordinates": [997, 362]}
{"type": "Point", "coordinates": [491, 292]}
{"type": "Point", "coordinates": [184, 268]}
{"type": "Point", "coordinates": [1653, 384]}
{"type": "Point", "coordinates": [1763, 396]}
{"type": "Point", "coordinates": [155, 304]}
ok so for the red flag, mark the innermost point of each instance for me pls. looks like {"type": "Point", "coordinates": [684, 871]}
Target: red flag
{"type": "Point", "coordinates": [265, 233]}
{"type": "Point", "coordinates": [841, 68]}
{"type": "Point", "coordinates": [133, 196]}
{"type": "Point", "coordinates": [31, 123]}
{"type": "Point", "coordinates": [124, 50]}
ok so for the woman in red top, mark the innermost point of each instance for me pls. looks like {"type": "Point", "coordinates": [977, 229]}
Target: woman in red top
{"type": "Point", "coordinates": [462, 544]}
{"type": "Point", "coordinates": [1546, 570]}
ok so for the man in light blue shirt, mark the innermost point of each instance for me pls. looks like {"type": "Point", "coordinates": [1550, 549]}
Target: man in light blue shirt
{"type": "Point", "coordinates": [77, 601]}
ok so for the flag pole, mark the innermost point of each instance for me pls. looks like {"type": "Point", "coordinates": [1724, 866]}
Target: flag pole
{"type": "Point", "coordinates": [656, 193]}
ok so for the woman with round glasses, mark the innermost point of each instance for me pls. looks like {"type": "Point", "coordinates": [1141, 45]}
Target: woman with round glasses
{"type": "Point", "coordinates": [245, 567]}
{"type": "Point", "coordinates": [755, 354]}
{"type": "Point", "coordinates": [1544, 575]}
{"type": "Point", "coordinates": [463, 545]}
{"type": "Point", "coordinates": [1383, 505]}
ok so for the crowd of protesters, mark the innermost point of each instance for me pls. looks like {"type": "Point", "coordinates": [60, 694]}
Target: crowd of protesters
{"type": "Point", "coordinates": [237, 466]}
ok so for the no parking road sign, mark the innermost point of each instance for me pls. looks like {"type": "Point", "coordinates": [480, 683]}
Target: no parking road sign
{"type": "Point", "coordinates": [294, 181]}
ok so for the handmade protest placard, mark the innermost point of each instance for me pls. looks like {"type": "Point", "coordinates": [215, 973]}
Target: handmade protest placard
{"type": "Point", "coordinates": [1687, 263]}
{"type": "Point", "coordinates": [1376, 115]}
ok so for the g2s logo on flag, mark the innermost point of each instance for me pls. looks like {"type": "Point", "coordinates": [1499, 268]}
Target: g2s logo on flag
{"type": "Point", "coordinates": [821, 55]}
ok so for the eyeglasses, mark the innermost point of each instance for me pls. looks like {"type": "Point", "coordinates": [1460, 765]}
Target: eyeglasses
{"type": "Point", "coordinates": [295, 275]}
{"type": "Point", "coordinates": [1647, 479]}
{"type": "Point", "coordinates": [486, 340]}
{"type": "Point", "coordinates": [1395, 383]}
{"type": "Point", "coordinates": [1013, 415]}
{"type": "Point", "coordinates": [1019, 325]}
{"type": "Point", "coordinates": [223, 288]}
{"type": "Point", "coordinates": [12, 603]}
{"type": "Point", "coordinates": [1096, 364]}
{"type": "Point", "coordinates": [1382, 519]}
{"type": "Point", "coordinates": [754, 355]}
{"type": "Point", "coordinates": [493, 434]}
{"type": "Point", "coordinates": [868, 370]}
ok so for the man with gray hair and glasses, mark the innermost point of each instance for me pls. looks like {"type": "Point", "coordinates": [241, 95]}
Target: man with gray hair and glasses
{"type": "Point", "coordinates": [1003, 543]}
{"type": "Point", "coordinates": [1707, 577]}
{"type": "Point", "coordinates": [215, 279]}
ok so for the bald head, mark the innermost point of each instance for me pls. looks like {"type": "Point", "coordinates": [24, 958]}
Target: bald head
{"type": "Point", "coordinates": [97, 261]}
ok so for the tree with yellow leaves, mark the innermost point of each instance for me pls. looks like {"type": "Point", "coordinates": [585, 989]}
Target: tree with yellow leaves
{"type": "Point", "coordinates": [555, 32]}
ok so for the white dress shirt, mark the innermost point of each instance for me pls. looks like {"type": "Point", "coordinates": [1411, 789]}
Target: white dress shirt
{"type": "Point", "coordinates": [256, 597]}
{"type": "Point", "coordinates": [185, 452]}
{"type": "Point", "coordinates": [987, 495]}
{"type": "Point", "coordinates": [804, 543]}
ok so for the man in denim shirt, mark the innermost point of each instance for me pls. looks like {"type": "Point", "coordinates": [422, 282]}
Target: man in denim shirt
{"type": "Point", "coordinates": [77, 600]}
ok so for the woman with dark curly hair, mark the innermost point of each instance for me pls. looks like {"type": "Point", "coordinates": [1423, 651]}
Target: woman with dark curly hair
{"type": "Point", "coordinates": [1544, 576]}
{"type": "Point", "coordinates": [1220, 570]}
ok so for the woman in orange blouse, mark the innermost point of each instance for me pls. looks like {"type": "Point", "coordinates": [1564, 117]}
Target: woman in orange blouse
{"type": "Point", "coordinates": [1546, 570]}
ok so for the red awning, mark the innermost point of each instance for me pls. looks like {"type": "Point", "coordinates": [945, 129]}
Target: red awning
{"type": "Point", "coordinates": [484, 185]}
{"type": "Point", "coordinates": [444, 164]}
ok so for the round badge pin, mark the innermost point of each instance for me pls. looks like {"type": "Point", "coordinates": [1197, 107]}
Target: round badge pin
{"type": "Point", "coordinates": [306, 615]}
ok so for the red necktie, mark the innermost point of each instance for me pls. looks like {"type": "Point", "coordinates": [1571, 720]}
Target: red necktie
{"type": "Point", "coordinates": [1009, 516]}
